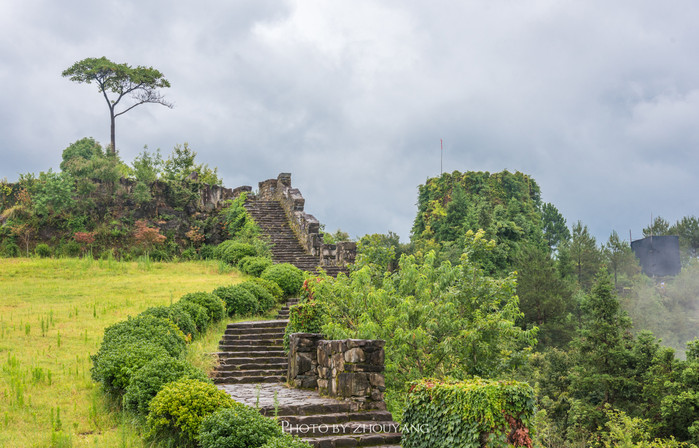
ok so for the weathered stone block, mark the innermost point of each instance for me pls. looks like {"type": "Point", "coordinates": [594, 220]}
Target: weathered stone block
{"type": "Point", "coordinates": [355, 355]}
{"type": "Point", "coordinates": [377, 380]}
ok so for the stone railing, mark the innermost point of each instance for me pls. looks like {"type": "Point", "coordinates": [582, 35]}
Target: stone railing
{"type": "Point", "coordinates": [305, 226]}
{"type": "Point", "coordinates": [351, 369]}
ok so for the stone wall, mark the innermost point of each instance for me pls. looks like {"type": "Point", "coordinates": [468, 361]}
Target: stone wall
{"type": "Point", "coordinates": [305, 226]}
{"type": "Point", "coordinates": [351, 369]}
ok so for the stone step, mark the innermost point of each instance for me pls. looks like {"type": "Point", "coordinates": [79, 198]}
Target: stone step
{"type": "Point", "coordinates": [251, 339]}
{"type": "Point", "coordinates": [339, 417]}
{"type": "Point", "coordinates": [252, 353]}
{"type": "Point", "coordinates": [344, 428]}
{"type": "Point", "coordinates": [258, 324]}
{"type": "Point", "coordinates": [334, 441]}
{"type": "Point", "coordinates": [281, 367]}
{"type": "Point", "coordinates": [243, 334]}
{"type": "Point", "coordinates": [242, 348]}
{"type": "Point", "coordinates": [249, 379]}
{"type": "Point", "coordinates": [253, 331]}
{"type": "Point", "coordinates": [249, 360]}
{"type": "Point", "coordinates": [308, 409]}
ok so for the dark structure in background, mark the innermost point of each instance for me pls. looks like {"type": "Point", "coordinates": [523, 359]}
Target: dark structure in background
{"type": "Point", "coordinates": [659, 255]}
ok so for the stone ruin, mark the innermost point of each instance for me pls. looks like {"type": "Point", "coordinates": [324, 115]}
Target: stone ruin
{"type": "Point", "coordinates": [305, 226]}
{"type": "Point", "coordinates": [351, 369]}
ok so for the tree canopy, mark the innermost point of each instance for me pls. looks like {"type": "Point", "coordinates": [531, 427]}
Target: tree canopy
{"type": "Point", "coordinates": [139, 83]}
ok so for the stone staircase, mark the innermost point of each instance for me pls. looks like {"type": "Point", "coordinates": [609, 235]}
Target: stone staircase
{"type": "Point", "coordinates": [336, 424]}
{"type": "Point", "coordinates": [253, 367]}
{"type": "Point", "coordinates": [251, 352]}
{"type": "Point", "coordinates": [272, 219]}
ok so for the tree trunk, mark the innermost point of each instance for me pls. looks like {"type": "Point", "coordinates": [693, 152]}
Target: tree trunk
{"type": "Point", "coordinates": [113, 138]}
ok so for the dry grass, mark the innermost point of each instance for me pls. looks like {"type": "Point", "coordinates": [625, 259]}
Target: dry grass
{"type": "Point", "coordinates": [52, 317]}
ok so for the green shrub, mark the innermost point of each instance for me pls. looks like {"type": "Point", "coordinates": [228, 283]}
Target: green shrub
{"type": "Point", "coordinates": [264, 298]}
{"type": "Point", "coordinates": [9, 249]}
{"type": "Point", "coordinates": [180, 407]}
{"type": "Point", "coordinates": [42, 250]}
{"type": "Point", "coordinates": [447, 413]}
{"type": "Point", "coordinates": [214, 306]}
{"type": "Point", "coordinates": [196, 311]}
{"type": "Point", "coordinates": [287, 276]}
{"type": "Point", "coordinates": [70, 248]}
{"type": "Point", "coordinates": [177, 315]}
{"type": "Point", "coordinates": [149, 379]}
{"type": "Point", "coordinates": [286, 441]}
{"type": "Point", "coordinates": [149, 329]}
{"type": "Point", "coordinates": [232, 251]}
{"type": "Point", "coordinates": [239, 301]}
{"type": "Point", "coordinates": [306, 317]}
{"type": "Point", "coordinates": [254, 266]}
{"type": "Point", "coordinates": [270, 286]}
{"type": "Point", "coordinates": [239, 427]}
{"type": "Point", "coordinates": [159, 255]}
{"type": "Point", "coordinates": [189, 254]}
{"type": "Point", "coordinates": [206, 252]}
{"type": "Point", "coordinates": [115, 366]}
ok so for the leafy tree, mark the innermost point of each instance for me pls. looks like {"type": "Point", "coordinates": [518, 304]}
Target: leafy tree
{"type": "Point", "coordinates": [620, 257]}
{"type": "Point", "coordinates": [140, 83]}
{"type": "Point", "coordinates": [180, 165]}
{"type": "Point", "coordinates": [546, 300]}
{"type": "Point", "coordinates": [336, 237]}
{"type": "Point", "coordinates": [52, 193]}
{"type": "Point", "coordinates": [659, 226]}
{"type": "Point", "coordinates": [147, 166]}
{"type": "Point", "coordinates": [602, 356]}
{"type": "Point", "coordinates": [437, 319]}
{"type": "Point", "coordinates": [554, 226]}
{"type": "Point", "coordinates": [688, 230]}
{"type": "Point", "coordinates": [379, 250]}
{"type": "Point", "coordinates": [76, 156]}
{"type": "Point", "coordinates": [584, 256]}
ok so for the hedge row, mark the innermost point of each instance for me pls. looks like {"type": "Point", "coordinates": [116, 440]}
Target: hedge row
{"type": "Point", "coordinates": [141, 362]}
{"type": "Point", "coordinates": [472, 413]}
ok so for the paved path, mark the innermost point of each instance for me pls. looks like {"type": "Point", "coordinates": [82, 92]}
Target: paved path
{"type": "Point", "coordinates": [286, 396]}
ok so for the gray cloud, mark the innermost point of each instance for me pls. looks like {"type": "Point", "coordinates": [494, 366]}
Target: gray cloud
{"type": "Point", "coordinates": [596, 100]}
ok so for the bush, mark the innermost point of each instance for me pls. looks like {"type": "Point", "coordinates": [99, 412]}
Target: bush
{"type": "Point", "coordinates": [239, 301]}
{"type": "Point", "coordinates": [254, 266]}
{"type": "Point", "coordinates": [189, 254]}
{"type": "Point", "coordinates": [70, 248]}
{"type": "Point", "coordinates": [177, 315]}
{"type": "Point", "coordinates": [206, 252]}
{"type": "Point", "coordinates": [468, 413]}
{"type": "Point", "coordinates": [264, 298]}
{"type": "Point", "coordinates": [196, 311]}
{"type": "Point", "coordinates": [115, 366]}
{"type": "Point", "coordinates": [149, 379]}
{"type": "Point", "coordinates": [159, 255]}
{"type": "Point", "coordinates": [9, 249]}
{"type": "Point", "coordinates": [180, 407]}
{"type": "Point", "coordinates": [149, 329]}
{"type": "Point", "coordinates": [232, 251]}
{"type": "Point", "coordinates": [287, 276]}
{"type": "Point", "coordinates": [270, 286]}
{"type": "Point", "coordinates": [214, 306]}
{"type": "Point", "coordinates": [42, 250]}
{"type": "Point", "coordinates": [307, 317]}
{"type": "Point", "coordinates": [239, 427]}
{"type": "Point", "coordinates": [286, 441]}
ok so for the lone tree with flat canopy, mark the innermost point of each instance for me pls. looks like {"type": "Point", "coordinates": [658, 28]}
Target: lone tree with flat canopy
{"type": "Point", "coordinates": [141, 84]}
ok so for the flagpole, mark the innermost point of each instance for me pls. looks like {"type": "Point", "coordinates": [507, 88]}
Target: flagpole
{"type": "Point", "coordinates": [441, 156]}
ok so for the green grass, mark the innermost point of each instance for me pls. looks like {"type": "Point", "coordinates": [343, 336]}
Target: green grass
{"type": "Point", "coordinates": [52, 317]}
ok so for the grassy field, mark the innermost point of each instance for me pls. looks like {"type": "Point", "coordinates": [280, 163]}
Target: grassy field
{"type": "Point", "coordinates": [52, 317]}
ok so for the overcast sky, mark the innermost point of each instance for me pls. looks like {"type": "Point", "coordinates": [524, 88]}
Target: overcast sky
{"type": "Point", "coordinates": [597, 100]}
